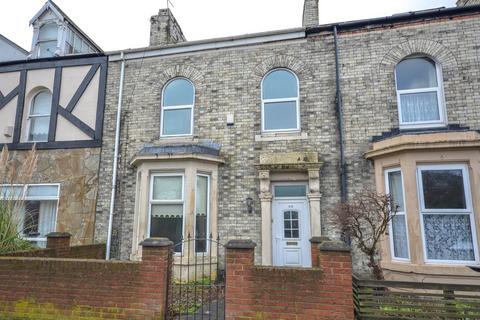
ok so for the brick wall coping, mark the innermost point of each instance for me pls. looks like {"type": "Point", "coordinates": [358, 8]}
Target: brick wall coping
{"type": "Point", "coordinates": [59, 235]}
{"type": "Point", "coordinates": [240, 244]}
{"type": "Point", "coordinates": [334, 246]}
{"type": "Point", "coordinates": [156, 242]}
{"type": "Point", "coordinates": [319, 239]}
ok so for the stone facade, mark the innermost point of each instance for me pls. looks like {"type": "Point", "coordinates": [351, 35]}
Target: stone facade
{"type": "Point", "coordinates": [76, 171]}
{"type": "Point", "coordinates": [228, 81]}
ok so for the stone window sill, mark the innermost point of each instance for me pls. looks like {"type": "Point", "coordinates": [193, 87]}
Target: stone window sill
{"type": "Point", "coordinates": [281, 136]}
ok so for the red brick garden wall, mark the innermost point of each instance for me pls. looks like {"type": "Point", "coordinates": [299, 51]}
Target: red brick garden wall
{"type": "Point", "coordinates": [53, 288]}
{"type": "Point", "coordinates": [267, 293]}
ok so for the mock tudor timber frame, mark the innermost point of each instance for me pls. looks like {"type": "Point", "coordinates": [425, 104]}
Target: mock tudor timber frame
{"type": "Point", "coordinates": [97, 63]}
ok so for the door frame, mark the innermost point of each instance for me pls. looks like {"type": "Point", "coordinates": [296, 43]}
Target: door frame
{"type": "Point", "coordinates": [306, 225]}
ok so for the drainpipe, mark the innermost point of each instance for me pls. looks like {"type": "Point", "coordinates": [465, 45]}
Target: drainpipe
{"type": "Point", "coordinates": [339, 102]}
{"type": "Point", "coordinates": [115, 158]}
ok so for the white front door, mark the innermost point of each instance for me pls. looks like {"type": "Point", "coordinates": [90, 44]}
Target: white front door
{"type": "Point", "coordinates": [291, 233]}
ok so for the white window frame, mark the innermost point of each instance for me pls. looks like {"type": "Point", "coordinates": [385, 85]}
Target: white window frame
{"type": "Point", "coordinates": [440, 99]}
{"type": "Point", "coordinates": [188, 106]}
{"type": "Point", "coordinates": [292, 183]}
{"type": "Point", "coordinates": [38, 198]}
{"type": "Point", "coordinates": [30, 116]}
{"type": "Point", "coordinates": [39, 42]}
{"type": "Point", "coordinates": [151, 202]}
{"type": "Point", "coordinates": [468, 211]}
{"type": "Point", "coordinates": [403, 213]}
{"type": "Point", "coordinates": [266, 101]}
{"type": "Point", "coordinates": [208, 213]}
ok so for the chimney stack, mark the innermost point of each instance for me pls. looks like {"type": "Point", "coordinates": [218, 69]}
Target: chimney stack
{"type": "Point", "coordinates": [310, 13]}
{"type": "Point", "coordinates": [164, 29]}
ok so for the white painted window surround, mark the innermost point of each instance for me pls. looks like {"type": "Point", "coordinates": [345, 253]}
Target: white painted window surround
{"type": "Point", "coordinates": [280, 101]}
{"type": "Point", "coordinates": [420, 95]}
{"type": "Point", "coordinates": [398, 231]}
{"type": "Point", "coordinates": [178, 100]}
{"type": "Point", "coordinates": [446, 214]}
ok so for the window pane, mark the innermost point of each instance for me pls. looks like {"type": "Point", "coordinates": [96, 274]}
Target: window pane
{"type": "Point", "coordinates": [400, 243]}
{"type": "Point", "coordinates": [443, 189]}
{"type": "Point", "coordinates": [177, 121]}
{"type": "Point", "coordinates": [168, 227]}
{"type": "Point", "coordinates": [167, 188]}
{"type": "Point", "coordinates": [42, 104]}
{"type": "Point", "coordinates": [10, 192]}
{"type": "Point", "coordinates": [77, 43]}
{"type": "Point", "coordinates": [416, 73]}
{"type": "Point", "coordinates": [39, 218]}
{"type": "Point", "coordinates": [47, 49]}
{"type": "Point", "coordinates": [201, 212]}
{"type": "Point", "coordinates": [48, 32]}
{"type": "Point", "coordinates": [280, 115]}
{"type": "Point", "coordinates": [39, 129]}
{"type": "Point", "coordinates": [448, 237]}
{"type": "Point", "coordinates": [290, 225]}
{"type": "Point", "coordinates": [280, 84]}
{"type": "Point", "coordinates": [291, 191]}
{"type": "Point", "coordinates": [419, 107]}
{"type": "Point", "coordinates": [179, 92]}
{"type": "Point", "coordinates": [42, 191]}
{"type": "Point", "coordinates": [396, 190]}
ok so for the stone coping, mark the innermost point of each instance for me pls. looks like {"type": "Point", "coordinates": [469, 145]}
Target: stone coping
{"type": "Point", "coordinates": [319, 239]}
{"type": "Point", "coordinates": [240, 244]}
{"type": "Point", "coordinates": [156, 242]}
{"type": "Point", "coordinates": [334, 246]}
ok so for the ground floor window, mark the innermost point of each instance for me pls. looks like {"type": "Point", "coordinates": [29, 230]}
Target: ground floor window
{"type": "Point", "coordinates": [398, 225]}
{"type": "Point", "coordinates": [36, 207]}
{"type": "Point", "coordinates": [446, 213]}
{"type": "Point", "coordinates": [167, 207]}
{"type": "Point", "coordinates": [202, 195]}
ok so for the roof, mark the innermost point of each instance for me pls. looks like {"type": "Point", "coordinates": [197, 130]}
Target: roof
{"type": "Point", "coordinates": [13, 44]}
{"type": "Point", "coordinates": [288, 34]}
{"type": "Point", "coordinates": [56, 9]}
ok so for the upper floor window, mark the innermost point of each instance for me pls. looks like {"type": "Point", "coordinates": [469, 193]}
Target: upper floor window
{"type": "Point", "coordinates": [47, 40]}
{"type": "Point", "coordinates": [419, 92]}
{"type": "Point", "coordinates": [177, 108]}
{"type": "Point", "coordinates": [280, 105]}
{"type": "Point", "coordinates": [39, 117]}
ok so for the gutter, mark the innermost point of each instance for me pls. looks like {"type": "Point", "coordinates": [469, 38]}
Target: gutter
{"type": "Point", "coordinates": [397, 18]}
{"type": "Point", "coordinates": [339, 105]}
{"type": "Point", "coordinates": [115, 159]}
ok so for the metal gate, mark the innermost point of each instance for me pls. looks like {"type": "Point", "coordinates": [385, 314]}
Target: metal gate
{"type": "Point", "coordinates": [197, 285]}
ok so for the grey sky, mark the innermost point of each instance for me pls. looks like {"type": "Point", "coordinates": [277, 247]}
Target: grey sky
{"type": "Point", "coordinates": [125, 24]}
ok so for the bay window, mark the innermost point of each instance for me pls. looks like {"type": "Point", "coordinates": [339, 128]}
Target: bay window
{"type": "Point", "coordinates": [446, 214]}
{"type": "Point", "coordinates": [36, 209]}
{"type": "Point", "coordinates": [398, 225]}
{"type": "Point", "coordinates": [202, 201]}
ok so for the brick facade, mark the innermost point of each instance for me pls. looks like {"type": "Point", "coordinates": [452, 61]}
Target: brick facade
{"type": "Point", "coordinates": [227, 81]}
{"type": "Point", "coordinates": [324, 292]}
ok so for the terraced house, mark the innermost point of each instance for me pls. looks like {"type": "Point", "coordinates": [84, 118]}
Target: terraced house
{"type": "Point", "coordinates": [54, 98]}
{"type": "Point", "coordinates": [258, 136]}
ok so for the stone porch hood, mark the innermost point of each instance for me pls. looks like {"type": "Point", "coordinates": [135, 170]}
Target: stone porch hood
{"type": "Point", "coordinates": [289, 161]}
{"type": "Point", "coordinates": [201, 151]}
{"type": "Point", "coordinates": [428, 141]}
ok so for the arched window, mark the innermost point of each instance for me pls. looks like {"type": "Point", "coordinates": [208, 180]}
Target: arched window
{"type": "Point", "coordinates": [178, 100]}
{"type": "Point", "coordinates": [47, 40]}
{"type": "Point", "coordinates": [39, 117]}
{"type": "Point", "coordinates": [280, 109]}
{"type": "Point", "coordinates": [419, 92]}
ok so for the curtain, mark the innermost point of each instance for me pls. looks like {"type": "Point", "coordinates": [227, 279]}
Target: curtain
{"type": "Point", "coordinates": [419, 107]}
{"type": "Point", "coordinates": [448, 237]}
{"type": "Point", "coordinates": [400, 243]}
{"type": "Point", "coordinates": [46, 220]}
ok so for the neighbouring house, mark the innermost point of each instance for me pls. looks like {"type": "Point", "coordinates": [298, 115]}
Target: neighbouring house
{"type": "Point", "coordinates": [55, 100]}
{"type": "Point", "coordinates": [9, 50]}
{"type": "Point", "coordinates": [259, 136]}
